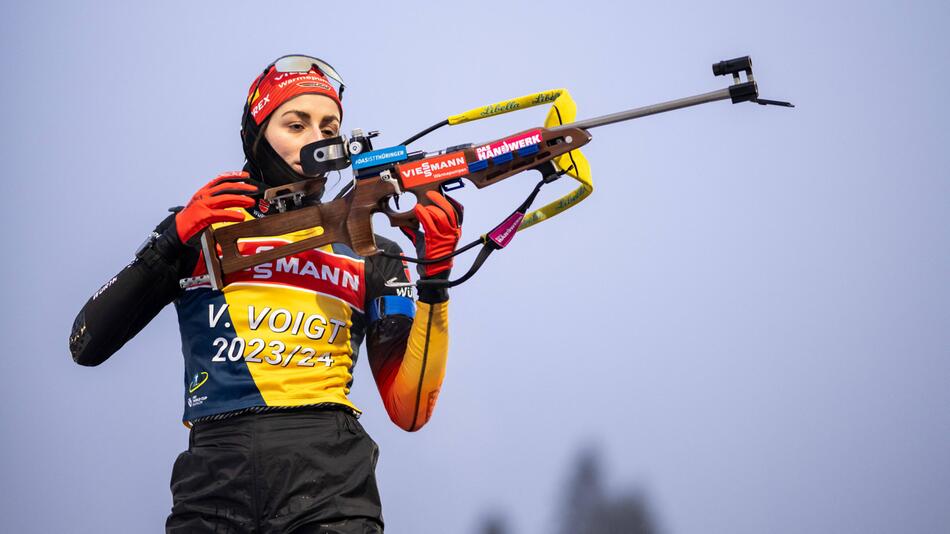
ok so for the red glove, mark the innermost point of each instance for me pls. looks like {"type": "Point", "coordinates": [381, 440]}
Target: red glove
{"type": "Point", "coordinates": [441, 229]}
{"type": "Point", "coordinates": [208, 205]}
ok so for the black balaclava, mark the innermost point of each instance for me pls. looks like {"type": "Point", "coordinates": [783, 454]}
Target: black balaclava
{"type": "Point", "coordinates": [263, 163]}
{"type": "Point", "coordinates": [268, 169]}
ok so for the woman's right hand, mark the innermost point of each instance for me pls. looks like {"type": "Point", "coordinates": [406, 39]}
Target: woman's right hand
{"type": "Point", "coordinates": [209, 205]}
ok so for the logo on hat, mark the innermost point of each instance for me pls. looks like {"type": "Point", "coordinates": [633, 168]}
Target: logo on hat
{"type": "Point", "coordinates": [260, 105]}
{"type": "Point", "coordinates": [321, 85]}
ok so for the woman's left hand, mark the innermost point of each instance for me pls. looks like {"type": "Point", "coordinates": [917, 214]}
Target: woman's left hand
{"type": "Point", "coordinates": [441, 224]}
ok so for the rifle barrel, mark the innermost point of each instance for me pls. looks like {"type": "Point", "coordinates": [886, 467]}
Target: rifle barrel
{"type": "Point", "coordinates": [636, 113]}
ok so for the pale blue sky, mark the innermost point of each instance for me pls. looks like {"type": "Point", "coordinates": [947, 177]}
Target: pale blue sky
{"type": "Point", "coordinates": [749, 315]}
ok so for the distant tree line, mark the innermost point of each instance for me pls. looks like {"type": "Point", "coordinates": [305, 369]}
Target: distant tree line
{"type": "Point", "coordinates": [587, 508]}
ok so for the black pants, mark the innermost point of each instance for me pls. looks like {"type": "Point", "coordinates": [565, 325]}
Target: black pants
{"type": "Point", "coordinates": [303, 471]}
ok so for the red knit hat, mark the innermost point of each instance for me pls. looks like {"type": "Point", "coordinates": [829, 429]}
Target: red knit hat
{"type": "Point", "coordinates": [273, 88]}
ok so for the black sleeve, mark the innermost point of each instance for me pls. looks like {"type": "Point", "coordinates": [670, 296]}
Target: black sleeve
{"type": "Point", "coordinates": [380, 269]}
{"type": "Point", "coordinates": [386, 337]}
{"type": "Point", "coordinates": [132, 298]}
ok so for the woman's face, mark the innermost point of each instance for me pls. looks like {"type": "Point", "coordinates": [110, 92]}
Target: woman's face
{"type": "Point", "coordinates": [300, 121]}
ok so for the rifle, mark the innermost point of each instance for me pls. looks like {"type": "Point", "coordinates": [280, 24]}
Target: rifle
{"type": "Point", "coordinates": [381, 175]}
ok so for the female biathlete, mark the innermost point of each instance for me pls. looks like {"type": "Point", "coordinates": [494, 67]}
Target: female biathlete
{"type": "Point", "coordinates": [275, 445]}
